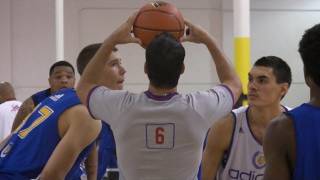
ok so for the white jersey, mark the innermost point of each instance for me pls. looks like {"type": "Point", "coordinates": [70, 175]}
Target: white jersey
{"type": "Point", "coordinates": [159, 137]}
{"type": "Point", "coordinates": [245, 158]}
{"type": "Point", "coordinates": [8, 111]}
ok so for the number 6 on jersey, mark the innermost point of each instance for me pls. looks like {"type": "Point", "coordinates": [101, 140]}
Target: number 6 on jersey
{"type": "Point", "coordinates": [160, 136]}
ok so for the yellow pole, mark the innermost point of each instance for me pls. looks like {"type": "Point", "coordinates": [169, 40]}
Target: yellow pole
{"type": "Point", "coordinates": [241, 9]}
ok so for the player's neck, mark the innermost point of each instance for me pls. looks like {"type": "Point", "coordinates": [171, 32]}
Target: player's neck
{"type": "Point", "coordinates": [9, 98]}
{"type": "Point", "coordinates": [262, 116]}
{"type": "Point", "coordinates": [315, 96]}
{"type": "Point", "coordinates": [161, 91]}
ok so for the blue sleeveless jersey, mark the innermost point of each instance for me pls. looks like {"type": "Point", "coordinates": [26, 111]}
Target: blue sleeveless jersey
{"type": "Point", "coordinates": [306, 119]}
{"type": "Point", "coordinates": [37, 98]}
{"type": "Point", "coordinates": [40, 96]}
{"type": "Point", "coordinates": [107, 150]}
{"type": "Point", "coordinates": [28, 149]}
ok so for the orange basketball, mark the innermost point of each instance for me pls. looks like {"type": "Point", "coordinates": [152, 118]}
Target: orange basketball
{"type": "Point", "coordinates": [155, 18]}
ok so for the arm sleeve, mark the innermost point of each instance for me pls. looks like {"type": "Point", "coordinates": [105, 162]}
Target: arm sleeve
{"type": "Point", "coordinates": [105, 104]}
{"type": "Point", "coordinates": [212, 104]}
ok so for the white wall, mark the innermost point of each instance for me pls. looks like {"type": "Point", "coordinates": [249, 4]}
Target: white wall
{"type": "Point", "coordinates": [27, 36]}
{"type": "Point", "coordinates": [27, 45]}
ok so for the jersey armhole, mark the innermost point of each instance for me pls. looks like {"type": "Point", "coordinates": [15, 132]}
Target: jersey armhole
{"type": "Point", "coordinates": [88, 100]}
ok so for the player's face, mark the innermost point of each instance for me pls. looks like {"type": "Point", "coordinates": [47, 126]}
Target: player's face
{"type": "Point", "coordinates": [61, 77]}
{"type": "Point", "coordinates": [263, 89]}
{"type": "Point", "coordinates": [113, 73]}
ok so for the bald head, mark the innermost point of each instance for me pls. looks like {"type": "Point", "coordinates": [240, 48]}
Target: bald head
{"type": "Point", "coordinates": [6, 92]}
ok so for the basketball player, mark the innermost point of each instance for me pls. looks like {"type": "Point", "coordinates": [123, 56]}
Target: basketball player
{"type": "Point", "coordinates": [292, 141]}
{"type": "Point", "coordinates": [159, 133]}
{"type": "Point", "coordinates": [234, 143]}
{"type": "Point", "coordinates": [53, 140]}
{"type": "Point", "coordinates": [9, 107]}
{"type": "Point", "coordinates": [113, 78]}
{"type": "Point", "coordinates": [61, 75]}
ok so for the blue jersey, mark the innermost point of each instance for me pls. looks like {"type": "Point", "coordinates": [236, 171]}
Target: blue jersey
{"type": "Point", "coordinates": [37, 98]}
{"type": "Point", "coordinates": [107, 150]}
{"type": "Point", "coordinates": [306, 120]}
{"type": "Point", "coordinates": [29, 148]}
{"type": "Point", "coordinates": [40, 96]}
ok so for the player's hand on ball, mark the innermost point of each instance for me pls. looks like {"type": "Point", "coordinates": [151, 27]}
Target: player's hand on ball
{"type": "Point", "coordinates": [123, 35]}
{"type": "Point", "coordinates": [195, 33]}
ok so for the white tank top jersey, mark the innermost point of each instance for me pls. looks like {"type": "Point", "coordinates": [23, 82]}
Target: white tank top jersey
{"type": "Point", "coordinates": [8, 111]}
{"type": "Point", "coordinates": [159, 137]}
{"type": "Point", "coordinates": [245, 158]}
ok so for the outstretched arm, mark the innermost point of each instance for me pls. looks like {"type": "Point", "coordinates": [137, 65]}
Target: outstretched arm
{"type": "Point", "coordinates": [122, 35]}
{"type": "Point", "coordinates": [80, 132]}
{"type": "Point", "coordinates": [279, 147]}
{"type": "Point", "coordinates": [216, 146]}
{"type": "Point", "coordinates": [226, 73]}
{"type": "Point", "coordinates": [25, 109]}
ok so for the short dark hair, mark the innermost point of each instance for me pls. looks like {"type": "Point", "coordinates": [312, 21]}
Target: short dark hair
{"type": "Point", "coordinates": [164, 61]}
{"type": "Point", "coordinates": [309, 49]}
{"type": "Point", "coordinates": [280, 68]}
{"type": "Point", "coordinates": [86, 54]}
{"type": "Point", "coordinates": [60, 63]}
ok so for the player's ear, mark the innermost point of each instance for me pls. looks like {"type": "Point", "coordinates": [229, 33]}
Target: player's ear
{"type": "Point", "coordinates": [284, 89]}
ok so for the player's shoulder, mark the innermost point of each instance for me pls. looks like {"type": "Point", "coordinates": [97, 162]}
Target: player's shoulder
{"type": "Point", "coordinates": [281, 128]}
{"type": "Point", "coordinates": [4, 105]}
{"type": "Point", "coordinates": [79, 117]}
{"type": "Point", "coordinates": [280, 135]}
{"type": "Point", "coordinates": [224, 125]}
{"type": "Point", "coordinates": [28, 103]}
{"type": "Point", "coordinates": [281, 122]}
{"type": "Point", "coordinates": [80, 113]}
{"type": "Point", "coordinates": [78, 110]}
{"type": "Point", "coordinates": [225, 122]}
{"type": "Point", "coordinates": [11, 105]}
{"type": "Point", "coordinates": [101, 92]}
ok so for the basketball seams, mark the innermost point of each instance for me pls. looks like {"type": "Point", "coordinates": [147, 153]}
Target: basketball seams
{"type": "Point", "coordinates": [161, 11]}
{"type": "Point", "coordinates": [151, 21]}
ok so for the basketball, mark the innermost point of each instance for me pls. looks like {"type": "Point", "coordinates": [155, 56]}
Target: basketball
{"type": "Point", "coordinates": [155, 18]}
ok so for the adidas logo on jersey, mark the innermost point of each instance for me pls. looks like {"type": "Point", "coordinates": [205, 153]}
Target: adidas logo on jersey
{"type": "Point", "coordinates": [244, 175]}
{"type": "Point", "coordinates": [56, 97]}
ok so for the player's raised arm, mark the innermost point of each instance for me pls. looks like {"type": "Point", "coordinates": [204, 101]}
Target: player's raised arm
{"type": "Point", "coordinates": [226, 73]}
{"type": "Point", "coordinates": [89, 79]}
